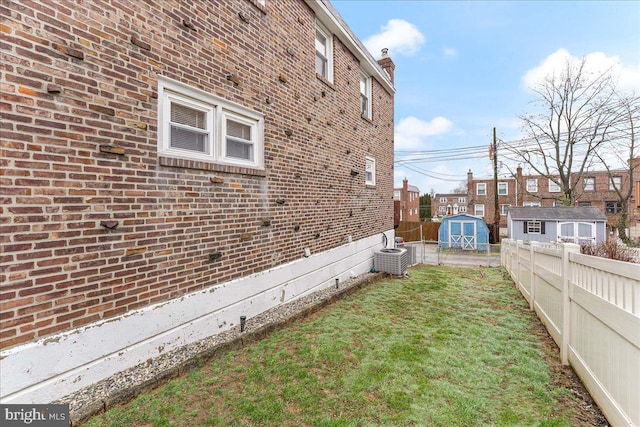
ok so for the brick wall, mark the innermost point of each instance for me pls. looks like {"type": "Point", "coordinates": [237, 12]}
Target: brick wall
{"type": "Point", "coordinates": [80, 149]}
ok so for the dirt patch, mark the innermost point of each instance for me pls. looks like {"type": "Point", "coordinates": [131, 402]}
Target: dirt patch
{"type": "Point", "coordinates": [584, 410]}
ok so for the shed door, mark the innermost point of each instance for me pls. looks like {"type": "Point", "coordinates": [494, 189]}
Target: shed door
{"type": "Point", "coordinates": [462, 235]}
{"type": "Point", "coordinates": [577, 232]}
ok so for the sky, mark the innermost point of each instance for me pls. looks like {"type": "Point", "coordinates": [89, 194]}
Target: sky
{"type": "Point", "coordinates": [465, 67]}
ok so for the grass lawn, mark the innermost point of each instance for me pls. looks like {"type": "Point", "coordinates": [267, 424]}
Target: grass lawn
{"type": "Point", "coordinates": [446, 347]}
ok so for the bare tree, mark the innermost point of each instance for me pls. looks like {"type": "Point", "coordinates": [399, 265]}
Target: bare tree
{"type": "Point", "coordinates": [622, 149]}
{"type": "Point", "coordinates": [461, 188]}
{"type": "Point", "coordinates": [574, 118]}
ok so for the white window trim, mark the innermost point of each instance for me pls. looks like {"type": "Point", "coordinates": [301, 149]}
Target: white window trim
{"type": "Point", "coordinates": [589, 182]}
{"type": "Point", "coordinates": [370, 161]}
{"type": "Point", "coordinates": [506, 189]}
{"type": "Point", "coordinates": [532, 185]}
{"type": "Point", "coordinates": [553, 187]}
{"type": "Point", "coordinates": [504, 209]}
{"type": "Point", "coordinates": [617, 181]}
{"type": "Point", "coordinates": [329, 57]}
{"type": "Point", "coordinates": [367, 94]}
{"type": "Point", "coordinates": [217, 109]}
{"type": "Point", "coordinates": [532, 226]}
{"type": "Point", "coordinates": [475, 210]}
{"type": "Point", "coordinates": [484, 189]}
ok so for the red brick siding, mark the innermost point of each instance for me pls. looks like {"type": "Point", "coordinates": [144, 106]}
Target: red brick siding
{"type": "Point", "coordinates": [78, 75]}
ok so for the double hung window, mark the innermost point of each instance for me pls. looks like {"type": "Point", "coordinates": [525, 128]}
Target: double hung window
{"type": "Point", "coordinates": [324, 53]}
{"type": "Point", "coordinates": [196, 125]}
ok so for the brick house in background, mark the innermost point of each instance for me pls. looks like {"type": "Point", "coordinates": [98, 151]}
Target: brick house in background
{"type": "Point", "coordinates": [448, 204]}
{"type": "Point", "coordinates": [594, 189]}
{"type": "Point", "coordinates": [407, 202]}
{"type": "Point", "coordinates": [171, 166]}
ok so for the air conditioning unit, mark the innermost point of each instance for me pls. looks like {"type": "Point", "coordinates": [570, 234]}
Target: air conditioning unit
{"type": "Point", "coordinates": [412, 254]}
{"type": "Point", "coordinates": [392, 261]}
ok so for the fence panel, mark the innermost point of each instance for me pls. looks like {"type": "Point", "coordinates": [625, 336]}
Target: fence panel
{"type": "Point", "coordinates": [547, 284]}
{"type": "Point", "coordinates": [410, 231]}
{"type": "Point", "coordinates": [591, 306]}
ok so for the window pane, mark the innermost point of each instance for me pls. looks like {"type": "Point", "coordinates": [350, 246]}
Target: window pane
{"type": "Point", "coordinates": [187, 139]}
{"type": "Point", "coordinates": [238, 130]}
{"type": "Point", "coordinates": [239, 143]}
{"type": "Point", "coordinates": [321, 43]}
{"type": "Point", "coordinates": [239, 149]}
{"type": "Point", "coordinates": [188, 116]}
{"type": "Point", "coordinates": [321, 65]}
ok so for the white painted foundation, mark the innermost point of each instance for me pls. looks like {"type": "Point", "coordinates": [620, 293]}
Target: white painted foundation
{"type": "Point", "coordinates": [48, 369]}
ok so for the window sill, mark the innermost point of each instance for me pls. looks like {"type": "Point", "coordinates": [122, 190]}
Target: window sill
{"type": "Point", "coordinates": [261, 7]}
{"type": "Point", "coordinates": [209, 166]}
{"type": "Point", "coordinates": [325, 81]}
{"type": "Point", "coordinates": [365, 118]}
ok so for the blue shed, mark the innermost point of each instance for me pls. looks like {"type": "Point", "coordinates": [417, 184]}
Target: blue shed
{"type": "Point", "coordinates": [465, 232]}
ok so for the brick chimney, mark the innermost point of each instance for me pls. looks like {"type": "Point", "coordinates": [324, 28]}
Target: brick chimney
{"type": "Point", "coordinates": [386, 63]}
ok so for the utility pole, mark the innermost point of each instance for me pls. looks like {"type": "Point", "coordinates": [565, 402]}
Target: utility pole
{"type": "Point", "coordinates": [496, 205]}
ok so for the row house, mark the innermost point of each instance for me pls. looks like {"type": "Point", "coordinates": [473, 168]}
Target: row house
{"type": "Point", "coordinates": [407, 202]}
{"type": "Point", "coordinates": [169, 167]}
{"type": "Point", "coordinates": [595, 188]}
{"type": "Point", "coordinates": [448, 204]}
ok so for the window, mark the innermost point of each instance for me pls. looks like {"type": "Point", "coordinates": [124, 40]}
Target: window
{"type": "Point", "coordinates": [462, 200]}
{"type": "Point", "coordinates": [589, 184]}
{"type": "Point", "coordinates": [531, 204]}
{"type": "Point", "coordinates": [557, 203]}
{"type": "Point", "coordinates": [324, 53]}
{"type": "Point", "coordinates": [196, 125]}
{"type": "Point", "coordinates": [504, 209]}
{"type": "Point", "coordinates": [553, 187]}
{"type": "Point", "coordinates": [584, 204]}
{"type": "Point", "coordinates": [533, 227]}
{"type": "Point", "coordinates": [396, 194]}
{"type": "Point", "coordinates": [365, 96]}
{"type": "Point", "coordinates": [370, 171]}
{"type": "Point", "coordinates": [462, 209]}
{"type": "Point", "coordinates": [442, 208]}
{"type": "Point", "coordinates": [478, 210]}
{"type": "Point", "coordinates": [443, 200]}
{"type": "Point", "coordinates": [532, 185]}
{"type": "Point", "coordinates": [612, 207]}
{"type": "Point", "coordinates": [615, 183]}
{"type": "Point", "coordinates": [481, 189]}
{"type": "Point", "coordinates": [503, 189]}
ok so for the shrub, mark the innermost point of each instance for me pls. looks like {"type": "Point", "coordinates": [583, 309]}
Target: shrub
{"type": "Point", "coordinates": [610, 249]}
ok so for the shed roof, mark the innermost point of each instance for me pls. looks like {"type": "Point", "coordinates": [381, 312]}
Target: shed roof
{"type": "Point", "coordinates": [561, 213]}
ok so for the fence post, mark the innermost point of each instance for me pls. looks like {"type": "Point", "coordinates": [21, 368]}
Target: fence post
{"type": "Point", "coordinates": [532, 279]}
{"type": "Point", "coordinates": [519, 245]}
{"type": "Point", "coordinates": [567, 249]}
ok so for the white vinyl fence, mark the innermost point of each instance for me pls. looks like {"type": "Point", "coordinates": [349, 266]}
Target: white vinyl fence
{"type": "Point", "coordinates": [591, 308]}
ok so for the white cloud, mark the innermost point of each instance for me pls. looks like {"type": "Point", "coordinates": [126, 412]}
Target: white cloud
{"type": "Point", "coordinates": [411, 132]}
{"type": "Point", "coordinates": [399, 36]}
{"type": "Point", "coordinates": [628, 77]}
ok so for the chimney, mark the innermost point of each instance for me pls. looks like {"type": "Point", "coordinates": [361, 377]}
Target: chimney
{"type": "Point", "coordinates": [387, 64]}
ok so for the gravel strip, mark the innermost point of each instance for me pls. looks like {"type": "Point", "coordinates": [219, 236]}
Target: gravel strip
{"type": "Point", "coordinates": [126, 385]}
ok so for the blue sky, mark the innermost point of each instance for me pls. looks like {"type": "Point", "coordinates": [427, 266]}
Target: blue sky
{"type": "Point", "coordinates": [463, 67]}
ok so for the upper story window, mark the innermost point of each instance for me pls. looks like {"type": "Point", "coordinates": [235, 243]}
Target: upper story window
{"type": "Point", "coordinates": [589, 184]}
{"type": "Point", "coordinates": [615, 183]}
{"type": "Point", "coordinates": [503, 189]}
{"type": "Point", "coordinates": [478, 210]}
{"type": "Point", "coordinates": [324, 53]}
{"type": "Point", "coordinates": [443, 200]}
{"type": "Point", "coordinates": [481, 189]}
{"type": "Point", "coordinates": [532, 185]}
{"type": "Point", "coordinates": [553, 187]}
{"type": "Point", "coordinates": [365, 96]}
{"type": "Point", "coordinates": [612, 207]}
{"type": "Point", "coordinates": [462, 200]}
{"type": "Point", "coordinates": [370, 171]}
{"type": "Point", "coordinates": [198, 126]}
{"type": "Point", "coordinates": [396, 194]}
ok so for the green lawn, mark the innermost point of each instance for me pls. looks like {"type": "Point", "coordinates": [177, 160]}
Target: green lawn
{"type": "Point", "coordinates": [446, 347]}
